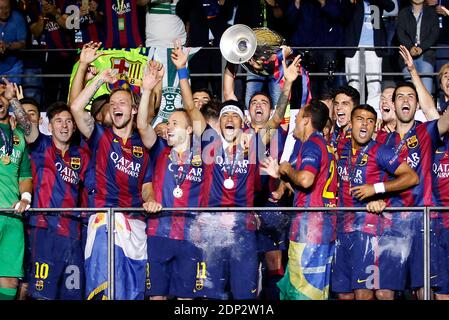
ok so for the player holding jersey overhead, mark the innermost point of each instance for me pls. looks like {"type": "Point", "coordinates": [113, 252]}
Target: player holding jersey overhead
{"type": "Point", "coordinates": [55, 269]}
{"type": "Point", "coordinates": [177, 182]}
{"type": "Point", "coordinates": [360, 265]}
{"type": "Point", "coordinates": [118, 175]}
{"type": "Point", "coordinates": [312, 176]}
{"type": "Point", "coordinates": [416, 143]}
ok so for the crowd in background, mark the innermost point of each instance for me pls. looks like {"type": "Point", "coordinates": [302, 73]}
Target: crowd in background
{"type": "Point", "coordinates": [36, 24]}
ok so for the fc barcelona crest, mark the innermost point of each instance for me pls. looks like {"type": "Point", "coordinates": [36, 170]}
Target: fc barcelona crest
{"type": "Point", "coordinates": [75, 163]}
{"type": "Point", "coordinates": [128, 74]}
{"type": "Point", "coordinates": [199, 285]}
{"type": "Point", "coordinates": [39, 285]}
{"type": "Point", "coordinates": [138, 151]}
{"type": "Point", "coordinates": [412, 142]}
{"type": "Point", "coordinates": [15, 140]}
{"type": "Point", "coordinates": [364, 160]}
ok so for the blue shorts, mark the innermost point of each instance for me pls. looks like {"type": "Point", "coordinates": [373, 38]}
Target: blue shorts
{"type": "Point", "coordinates": [443, 285]}
{"type": "Point", "coordinates": [56, 266]}
{"type": "Point", "coordinates": [364, 261]}
{"type": "Point", "coordinates": [232, 263]}
{"type": "Point", "coordinates": [417, 254]}
{"type": "Point", "coordinates": [273, 231]}
{"type": "Point", "coordinates": [172, 267]}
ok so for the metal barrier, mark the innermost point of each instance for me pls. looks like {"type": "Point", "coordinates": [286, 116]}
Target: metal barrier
{"type": "Point", "coordinates": [111, 226]}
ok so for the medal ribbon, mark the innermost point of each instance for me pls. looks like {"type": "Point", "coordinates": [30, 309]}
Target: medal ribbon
{"type": "Point", "coordinates": [401, 143]}
{"type": "Point", "coordinates": [177, 162]}
{"type": "Point", "coordinates": [8, 142]}
{"type": "Point", "coordinates": [351, 171]}
{"type": "Point", "coordinates": [230, 167]}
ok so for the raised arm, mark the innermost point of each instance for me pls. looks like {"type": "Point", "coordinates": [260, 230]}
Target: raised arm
{"type": "Point", "coordinates": [152, 75]}
{"type": "Point", "coordinates": [228, 82]}
{"type": "Point", "coordinates": [30, 130]}
{"type": "Point", "coordinates": [443, 123]}
{"type": "Point", "coordinates": [425, 98]}
{"type": "Point", "coordinates": [88, 54]}
{"type": "Point", "coordinates": [83, 119]}
{"type": "Point", "coordinates": [290, 74]}
{"type": "Point", "coordinates": [179, 59]}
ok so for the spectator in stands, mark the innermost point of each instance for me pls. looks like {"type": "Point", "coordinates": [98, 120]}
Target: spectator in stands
{"type": "Point", "coordinates": [361, 32]}
{"type": "Point", "coordinates": [90, 21]}
{"type": "Point", "coordinates": [33, 61]}
{"type": "Point", "coordinates": [161, 15]}
{"type": "Point", "coordinates": [418, 30]}
{"type": "Point", "coordinates": [120, 22]}
{"type": "Point", "coordinates": [205, 21]}
{"type": "Point", "coordinates": [12, 38]}
{"type": "Point", "coordinates": [441, 8]}
{"type": "Point", "coordinates": [48, 22]}
{"type": "Point", "coordinates": [317, 23]}
{"type": "Point", "coordinates": [390, 20]}
{"type": "Point", "coordinates": [442, 54]}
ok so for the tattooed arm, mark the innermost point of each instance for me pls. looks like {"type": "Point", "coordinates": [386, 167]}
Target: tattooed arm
{"type": "Point", "coordinates": [84, 121]}
{"type": "Point", "coordinates": [290, 73]}
{"type": "Point", "coordinates": [30, 130]}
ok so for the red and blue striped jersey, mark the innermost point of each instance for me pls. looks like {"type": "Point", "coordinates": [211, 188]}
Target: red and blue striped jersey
{"type": "Point", "coordinates": [440, 185]}
{"type": "Point", "coordinates": [177, 224]}
{"type": "Point", "coordinates": [91, 29]}
{"type": "Point", "coordinates": [418, 149]}
{"type": "Point", "coordinates": [265, 184]}
{"type": "Point", "coordinates": [120, 22]}
{"type": "Point", "coordinates": [371, 164]}
{"type": "Point", "coordinates": [243, 166]}
{"type": "Point", "coordinates": [57, 180]}
{"type": "Point", "coordinates": [316, 157]}
{"type": "Point", "coordinates": [56, 37]}
{"type": "Point", "coordinates": [117, 169]}
{"type": "Point", "coordinates": [340, 138]}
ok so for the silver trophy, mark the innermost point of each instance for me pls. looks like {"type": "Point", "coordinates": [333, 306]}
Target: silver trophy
{"type": "Point", "coordinates": [255, 49]}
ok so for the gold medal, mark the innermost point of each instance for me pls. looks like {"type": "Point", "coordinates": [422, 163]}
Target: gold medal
{"type": "Point", "coordinates": [6, 159]}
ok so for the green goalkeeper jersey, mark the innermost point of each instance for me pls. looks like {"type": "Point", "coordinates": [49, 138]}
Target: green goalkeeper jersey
{"type": "Point", "coordinates": [14, 167]}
